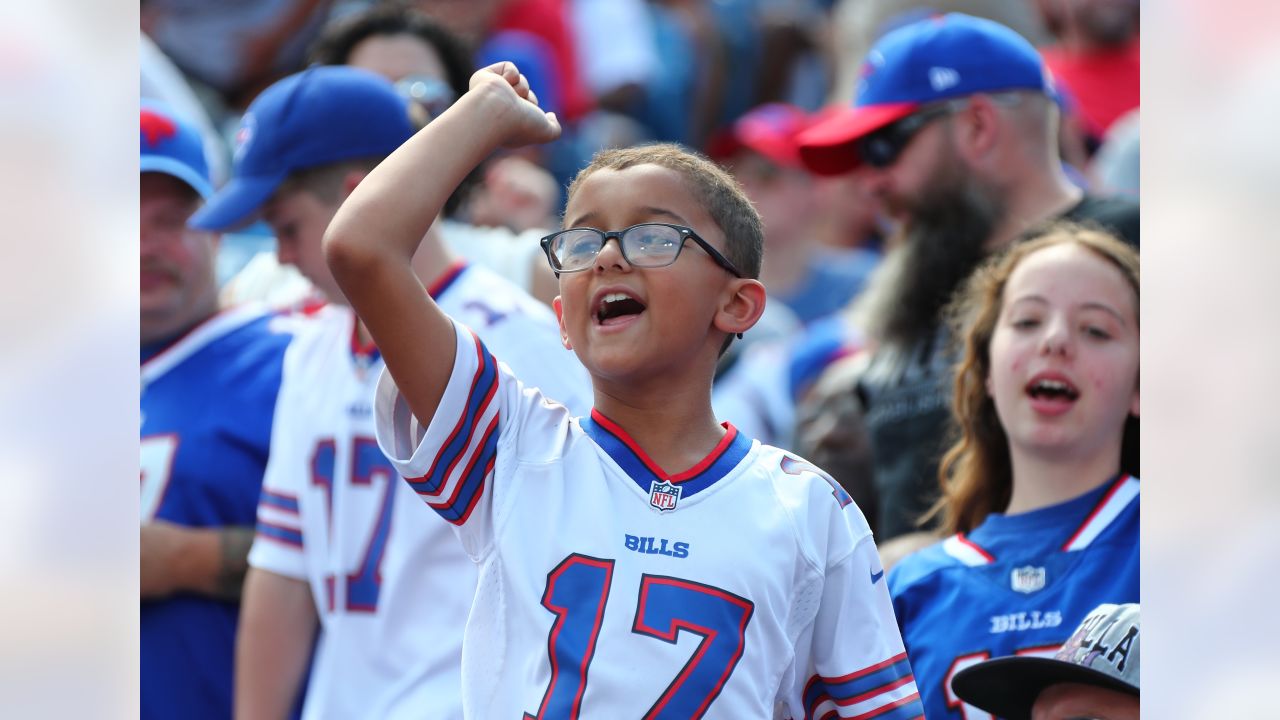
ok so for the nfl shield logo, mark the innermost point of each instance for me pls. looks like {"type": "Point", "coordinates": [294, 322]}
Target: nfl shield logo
{"type": "Point", "coordinates": [1027, 579]}
{"type": "Point", "coordinates": [663, 496]}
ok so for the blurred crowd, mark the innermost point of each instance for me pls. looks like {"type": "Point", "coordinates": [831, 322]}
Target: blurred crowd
{"type": "Point", "coordinates": [891, 147]}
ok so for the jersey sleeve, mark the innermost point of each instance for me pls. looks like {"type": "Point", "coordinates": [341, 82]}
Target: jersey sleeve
{"type": "Point", "coordinates": [278, 544]}
{"type": "Point", "coordinates": [451, 463]}
{"type": "Point", "coordinates": [858, 667]}
{"type": "Point", "coordinates": [532, 349]}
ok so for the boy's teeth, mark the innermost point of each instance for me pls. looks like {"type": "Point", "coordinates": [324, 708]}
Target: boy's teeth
{"type": "Point", "coordinates": [614, 297]}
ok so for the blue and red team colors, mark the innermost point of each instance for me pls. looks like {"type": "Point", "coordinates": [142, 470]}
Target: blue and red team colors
{"type": "Point", "coordinates": [1016, 585]}
{"type": "Point", "coordinates": [207, 403]}
{"type": "Point", "coordinates": [747, 586]}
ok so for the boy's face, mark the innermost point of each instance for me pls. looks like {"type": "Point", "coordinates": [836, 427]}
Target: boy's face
{"type": "Point", "coordinates": [662, 334]}
{"type": "Point", "coordinates": [299, 218]}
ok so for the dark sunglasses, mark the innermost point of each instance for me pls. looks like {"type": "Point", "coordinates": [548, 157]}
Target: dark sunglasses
{"type": "Point", "coordinates": [647, 245]}
{"type": "Point", "coordinates": [881, 148]}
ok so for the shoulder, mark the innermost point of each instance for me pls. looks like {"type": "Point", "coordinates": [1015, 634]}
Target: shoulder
{"type": "Point", "coordinates": [818, 504]}
{"type": "Point", "coordinates": [922, 566]}
{"type": "Point", "coordinates": [1114, 213]}
{"type": "Point", "coordinates": [261, 329]}
{"type": "Point", "coordinates": [481, 295]}
{"type": "Point", "coordinates": [251, 357]}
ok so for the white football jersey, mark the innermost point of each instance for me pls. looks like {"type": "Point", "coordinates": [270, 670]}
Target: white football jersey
{"type": "Point", "coordinates": [745, 587]}
{"type": "Point", "coordinates": [390, 582]}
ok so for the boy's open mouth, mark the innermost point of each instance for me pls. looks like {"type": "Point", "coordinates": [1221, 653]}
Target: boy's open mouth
{"type": "Point", "coordinates": [615, 307]}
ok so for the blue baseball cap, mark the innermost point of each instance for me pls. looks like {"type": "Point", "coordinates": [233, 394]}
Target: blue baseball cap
{"type": "Point", "coordinates": [938, 58]}
{"type": "Point", "coordinates": [173, 146]}
{"type": "Point", "coordinates": [322, 115]}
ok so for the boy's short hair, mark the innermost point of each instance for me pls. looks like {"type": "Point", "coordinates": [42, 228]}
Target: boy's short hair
{"type": "Point", "coordinates": [325, 181]}
{"type": "Point", "coordinates": [340, 37]}
{"type": "Point", "coordinates": [713, 188]}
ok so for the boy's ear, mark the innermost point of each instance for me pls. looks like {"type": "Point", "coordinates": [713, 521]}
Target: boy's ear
{"type": "Point", "coordinates": [564, 334]}
{"type": "Point", "coordinates": [742, 306]}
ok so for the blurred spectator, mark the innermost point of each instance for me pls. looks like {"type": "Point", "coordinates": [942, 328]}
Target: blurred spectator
{"type": "Point", "coordinates": [1097, 674]}
{"type": "Point", "coordinates": [858, 24]}
{"type": "Point", "coordinates": [161, 80]}
{"type": "Point", "coordinates": [431, 67]}
{"type": "Point", "coordinates": [955, 131]}
{"type": "Point", "coordinates": [620, 65]}
{"type": "Point", "coordinates": [1096, 56]}
{"type": "Point", "coordinates": [516, 195]}
{"type": "Point", "coordinates": [760, 150]}
{"type": "Point", "coordinates": [209, 383]}
{"type": "Point", "coordinates": [1042, 501]}
{"type": "Point", "coordinates": [793, 36]}
{"type": "Point", "coordinates": [481, 24]}
{"type": "Point", "coordinates": [235, 47]}
{"type": "Point", "coordinates": [830, 432]}
{"type": "Point", "coordinates": [1117, 166]}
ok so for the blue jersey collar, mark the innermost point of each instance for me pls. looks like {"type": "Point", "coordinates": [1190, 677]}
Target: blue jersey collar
{"type": "Point", "coordinates": [641, 468]}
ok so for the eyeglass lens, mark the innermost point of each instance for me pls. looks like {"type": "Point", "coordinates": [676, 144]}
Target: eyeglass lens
{"type": "Point", "coordinates": [642, 246]}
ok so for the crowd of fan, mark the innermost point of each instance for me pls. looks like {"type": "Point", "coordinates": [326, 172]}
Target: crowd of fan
{"type": "Point", "coordinates": [914, 171]}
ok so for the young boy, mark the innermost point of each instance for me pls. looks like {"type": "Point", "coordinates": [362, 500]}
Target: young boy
{"type": "Point", "coordinates": [340, 537]}
{"type": "Point", "coordinates": [646, 558]}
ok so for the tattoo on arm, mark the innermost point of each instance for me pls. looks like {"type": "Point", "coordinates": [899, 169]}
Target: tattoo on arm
{"type": "Point", "coordinates": [234, 543]}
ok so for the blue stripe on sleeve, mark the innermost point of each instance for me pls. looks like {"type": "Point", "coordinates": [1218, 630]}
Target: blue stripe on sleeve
{"type": "Point", "coordinates": [860, 686]}
{"type": "Point", "coordinates": [288, 503]}
{"type": "Point", "coordinates": [285, 535]}
{"type": "Point", "coordinates": [485, 383]}
{"type": "Point", "coordinates": [472, 482]}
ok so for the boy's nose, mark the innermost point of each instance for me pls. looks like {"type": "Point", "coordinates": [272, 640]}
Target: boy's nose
{"type": "Point", "coordinates": [610, 255]}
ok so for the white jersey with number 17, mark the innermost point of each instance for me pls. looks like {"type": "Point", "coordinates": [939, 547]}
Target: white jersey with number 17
{"type": "Point", "coordinates": [390, 582]}
{"type": "Point", "coordinates": [745, 587]}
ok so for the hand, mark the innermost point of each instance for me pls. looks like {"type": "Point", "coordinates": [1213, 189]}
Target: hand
{"type": "Point", "coordinates": [160, 548]}
{"type": "Point", "coordinates": [515, 105]}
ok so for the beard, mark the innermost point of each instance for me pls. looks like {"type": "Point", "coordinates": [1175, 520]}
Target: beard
{"type": "Point", "coordinates": [944, 239]}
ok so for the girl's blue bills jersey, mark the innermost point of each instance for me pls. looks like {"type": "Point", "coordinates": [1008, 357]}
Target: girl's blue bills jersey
{"type": "Point", "coordinates": [1016, 585]}
{"type": "Point", "coordinates": [745, 587]}
{"type": "Point", "coordinates": [207, 404]}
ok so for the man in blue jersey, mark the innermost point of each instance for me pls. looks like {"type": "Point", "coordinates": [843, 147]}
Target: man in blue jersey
{"type": "Point", "coordinates": [208, 389]}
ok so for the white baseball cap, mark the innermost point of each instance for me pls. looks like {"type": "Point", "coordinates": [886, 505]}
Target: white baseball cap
{"type": "Point", "coordinates": [1104, 652]}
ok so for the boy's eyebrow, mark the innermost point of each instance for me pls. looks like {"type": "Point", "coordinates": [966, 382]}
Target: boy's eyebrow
{"type": "Point", "coordinates": [647, 211]}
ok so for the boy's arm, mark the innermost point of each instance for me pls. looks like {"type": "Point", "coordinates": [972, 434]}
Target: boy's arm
{"type": "Point", "coordinates": [273, 644]}
{"type": "Point", "coordinates": [375, 233]}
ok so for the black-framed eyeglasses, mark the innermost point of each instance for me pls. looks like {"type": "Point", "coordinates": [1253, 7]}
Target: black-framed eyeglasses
{"type": "Point", "coordinates": [881, 148]}
{"type": "Point", "coordinates": [647, 245]}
